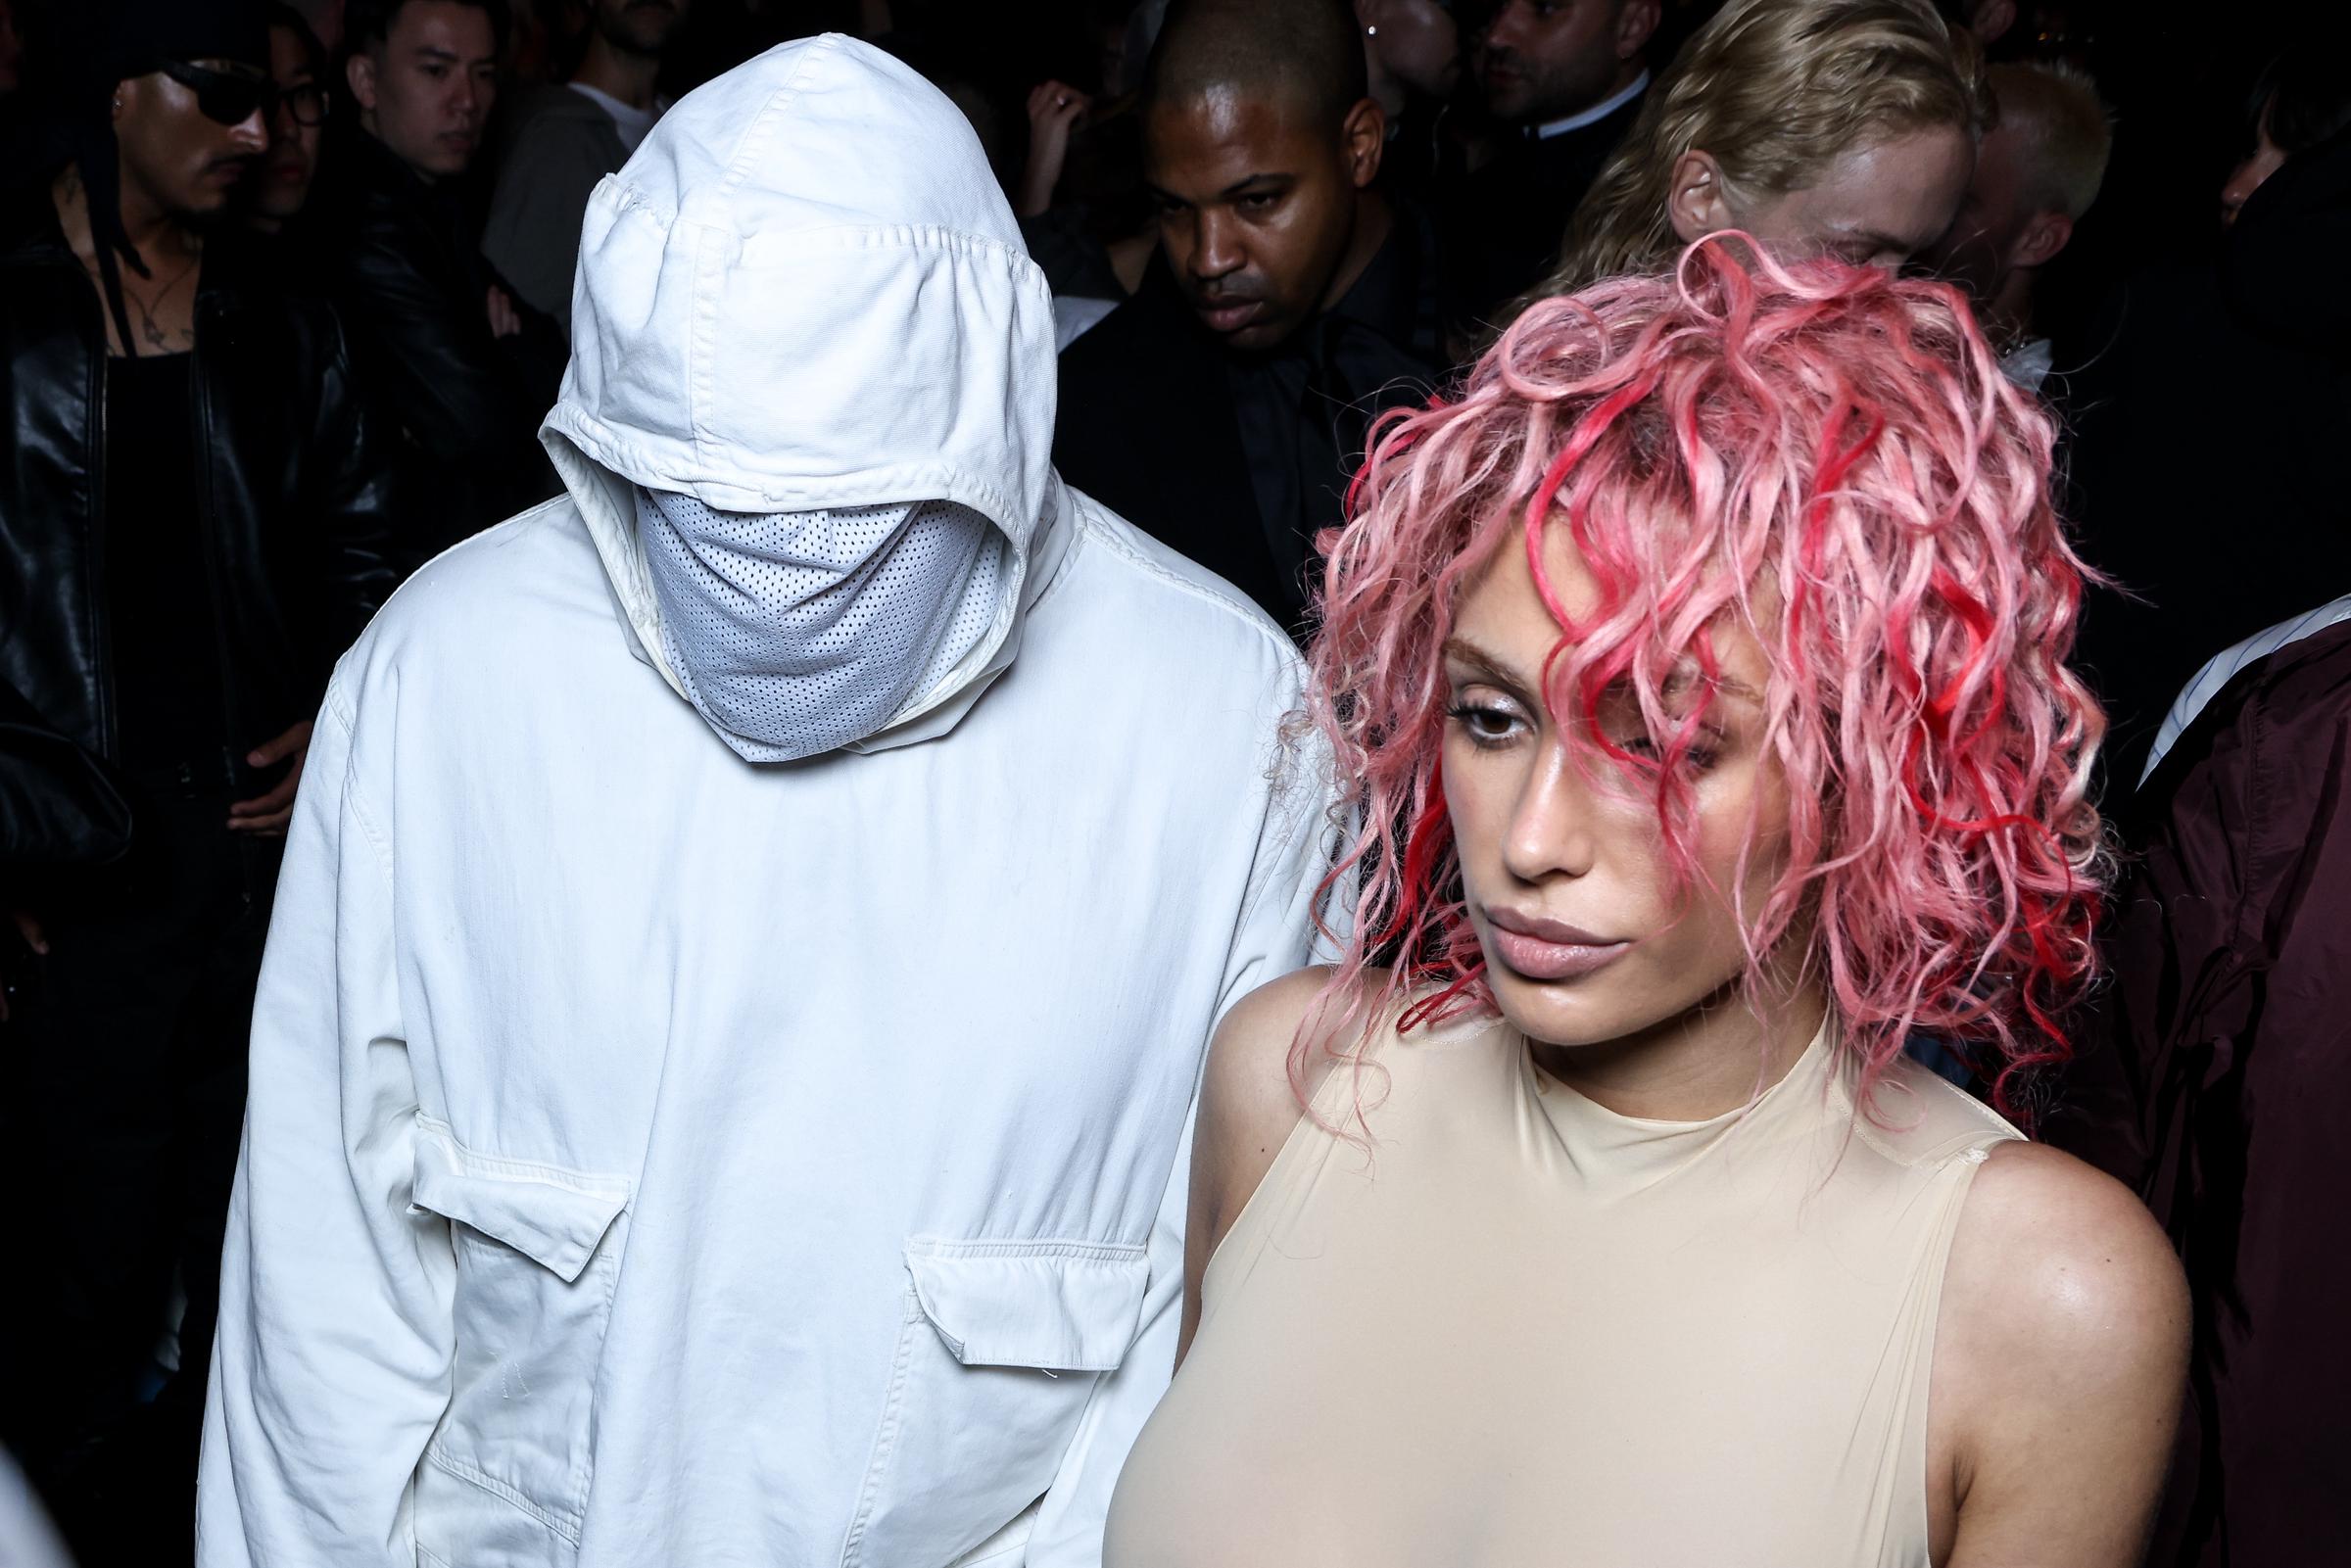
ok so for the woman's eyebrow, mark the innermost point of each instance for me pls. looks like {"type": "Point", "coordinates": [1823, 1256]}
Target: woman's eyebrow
{"type": "Point", "coordinates": [1461, 651]}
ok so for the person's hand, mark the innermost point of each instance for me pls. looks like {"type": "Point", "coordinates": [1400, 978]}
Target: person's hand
{"type": "Point", "coordinates": [505, 319]}
{"type": "Point", "coordinates": [266, 816]}
{"type": "Point", "coordinates": [1054, 110]}
{"type": "Point", "coordinates": [29, 927]}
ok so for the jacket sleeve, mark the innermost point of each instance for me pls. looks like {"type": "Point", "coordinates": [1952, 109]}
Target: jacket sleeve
{"type": "Point", "coordinates": [1274, 935]}
{"type": "Point", "coordinates": [456, 391]}
{"type": "Point", "coordinates": [332, 1363]}
{"type": "Point", "coordinates": [59, 806]}
{"type": "Point", "coordinates": [355, 495]}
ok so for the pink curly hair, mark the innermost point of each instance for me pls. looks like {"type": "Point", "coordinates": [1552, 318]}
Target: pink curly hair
{"type": "Point", "coordinates": [1838, 447]}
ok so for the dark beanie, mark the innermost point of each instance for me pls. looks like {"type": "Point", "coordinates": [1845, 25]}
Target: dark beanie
{"type": "Point", "coordinates": [144, 33]}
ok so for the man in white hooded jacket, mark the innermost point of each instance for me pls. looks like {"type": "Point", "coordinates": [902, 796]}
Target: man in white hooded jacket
{"type": "Point", "coordinates": [752, 925]}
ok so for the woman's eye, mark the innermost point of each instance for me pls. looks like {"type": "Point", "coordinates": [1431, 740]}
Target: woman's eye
{"type": "Point", "coordinates": [1487, 726]}
{"type": "Point", "coordinates": [1704, 750]}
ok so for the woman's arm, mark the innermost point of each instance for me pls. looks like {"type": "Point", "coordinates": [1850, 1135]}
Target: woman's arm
{"type": "Point", "coordinates": [2060, 1358]}
{"type": "Point", "coordinates": [1247, 1111]}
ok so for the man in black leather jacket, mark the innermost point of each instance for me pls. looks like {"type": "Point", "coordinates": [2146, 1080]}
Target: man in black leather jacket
{"type": "Point", "coordinates": [459, 368]}
{"type": "Point", "coordinates": [192, 528]}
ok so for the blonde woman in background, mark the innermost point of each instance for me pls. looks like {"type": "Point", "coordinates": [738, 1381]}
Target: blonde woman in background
{"type": "Point", "coordinates": [1838, 127]}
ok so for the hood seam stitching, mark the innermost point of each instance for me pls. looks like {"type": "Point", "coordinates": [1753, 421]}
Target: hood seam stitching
{"type": "Point", "coordinates": [745, 155]}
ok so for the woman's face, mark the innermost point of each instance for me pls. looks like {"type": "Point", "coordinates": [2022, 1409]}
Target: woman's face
{"type": "Point", "coordinates": [1876, 205]}
{"type": "Point", "coordinates": [1587, 938]}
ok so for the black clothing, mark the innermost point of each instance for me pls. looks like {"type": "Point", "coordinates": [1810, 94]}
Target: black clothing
{"type": "Point", "coordinates": [169, 699]}
{"type": "Point", "coordinates": [2218, 1085]}
{"type": "Point", "coordinates": [2206, 455]}
{"type": "Point", "coordinates": [1505, 224]}
{"type": "Point", "coordinates": [1423, 160]}
{"type": "Point", "coordinates": [60, 807]}
{"type": "Point", "coordinates": [121, 1098]}
{"type": "Point", "coordinates": [409, 272]}
{"type": "Point", "coordinates": [291, 500]}
{"type": "Point", "coordinates": [142, 34]}
{"type": "Point", "coordinates": [186, 546]}
{"type": "Point", "coordinates": [1239, 460]}
{"type": "Point", "coordinates": [2302, 211]}
{"type": "Point", "coordinates": [1076, 263]}
{"type": "Point", "coordinates": [63, 814]}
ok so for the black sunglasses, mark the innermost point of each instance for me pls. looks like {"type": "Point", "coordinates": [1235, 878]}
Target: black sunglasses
{"type": "Point", "coordinates": [232, 99]}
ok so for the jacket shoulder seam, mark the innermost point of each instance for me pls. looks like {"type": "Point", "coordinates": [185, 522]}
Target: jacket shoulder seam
{"type": "Point", "coordinates": [338, 709]}
{"type": "Point", "coordinates": [1095, 528]}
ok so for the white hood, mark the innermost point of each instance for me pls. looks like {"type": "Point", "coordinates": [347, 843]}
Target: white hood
{"type": "Point", "coordinates": [805, 290]}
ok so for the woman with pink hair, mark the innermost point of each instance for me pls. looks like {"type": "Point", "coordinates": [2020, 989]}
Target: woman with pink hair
{"type": "Point", "coordinates": [1696, 684]}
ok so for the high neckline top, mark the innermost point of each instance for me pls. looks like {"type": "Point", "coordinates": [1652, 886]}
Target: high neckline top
{"type": "Point", "coordinates": [1515, 1326]}
{"type": "Point", "coordinates": [1614, 1154]}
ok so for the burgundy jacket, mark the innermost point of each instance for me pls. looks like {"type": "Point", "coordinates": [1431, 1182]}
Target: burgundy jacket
{"type": "Point", "coordinates": [2220, 1088]}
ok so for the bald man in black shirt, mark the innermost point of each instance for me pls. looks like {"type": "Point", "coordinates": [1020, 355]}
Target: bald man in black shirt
{"type": "Point", "coordinates": [1223, 408]}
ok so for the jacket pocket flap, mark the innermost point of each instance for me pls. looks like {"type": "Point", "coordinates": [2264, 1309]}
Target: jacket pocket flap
{"type": "Point", "coordinates": [550, 1214]}
{"type": "Point", "coordinates": [1062, 1304]}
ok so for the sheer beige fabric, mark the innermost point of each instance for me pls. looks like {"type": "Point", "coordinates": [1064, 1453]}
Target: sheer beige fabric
{"type": "Point", "coordinates": [1527, 1330]}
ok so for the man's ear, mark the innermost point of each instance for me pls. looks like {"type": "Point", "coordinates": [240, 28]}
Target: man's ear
{"type": "Point", "coordinates": [1635, 25]}
{"type": "Point", "coordinates": [2046, 235]}
{"type": "Point", "coordinates": [1695, 201]}
{"type": "Point", "coordinates": [359, 72]}
{"type": "Point", "coordinates": [1364, 134]}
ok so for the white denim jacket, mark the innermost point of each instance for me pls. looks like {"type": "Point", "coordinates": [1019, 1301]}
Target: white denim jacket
{"type": "Point", "coordinates": [659, 1160]}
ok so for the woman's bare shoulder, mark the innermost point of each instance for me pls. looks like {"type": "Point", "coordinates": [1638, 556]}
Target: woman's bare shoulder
{"type": "Point", "coordinates": [2060, 1359]}
{"type": "Point", "coordinates": [2062, 1263]}
{"type": "Point", "coordinates": [1249, 1103]}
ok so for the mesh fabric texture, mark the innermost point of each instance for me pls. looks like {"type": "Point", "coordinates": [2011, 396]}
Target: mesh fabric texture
{"type": "Point", "coordinates": [796, 633]}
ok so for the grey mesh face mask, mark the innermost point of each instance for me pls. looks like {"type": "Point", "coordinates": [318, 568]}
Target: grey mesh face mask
{"type": "Point", "coordinates": [798, 632]}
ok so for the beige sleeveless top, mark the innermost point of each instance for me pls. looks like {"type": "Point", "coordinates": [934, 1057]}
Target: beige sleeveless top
{"type": "Point", "coordinates": [1526, 1330]}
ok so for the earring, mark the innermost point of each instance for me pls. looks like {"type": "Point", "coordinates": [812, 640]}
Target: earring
{"type": "Point", "coordinates": [1371, 31]}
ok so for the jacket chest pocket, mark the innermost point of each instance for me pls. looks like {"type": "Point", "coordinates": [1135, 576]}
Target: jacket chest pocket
{"type": "Point", "coordinates": [505, 1482]}
{"type": "Point", "coordinates": [998, 1353]}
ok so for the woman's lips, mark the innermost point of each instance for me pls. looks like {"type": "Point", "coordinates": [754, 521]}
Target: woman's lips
{"type": "Point", "coordinates": [1545, 950]}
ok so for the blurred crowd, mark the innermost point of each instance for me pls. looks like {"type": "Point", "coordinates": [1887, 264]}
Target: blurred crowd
{"type": "Point", "coordinates": [282, 307]}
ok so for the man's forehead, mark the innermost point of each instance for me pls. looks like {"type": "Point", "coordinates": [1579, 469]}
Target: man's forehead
{"type": "Point", "coordinates": [1213, 139]}
{"type": "Point", "coordinates": [1568, 23]}
{"type": "Point", "coordinates": [444, 24]}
